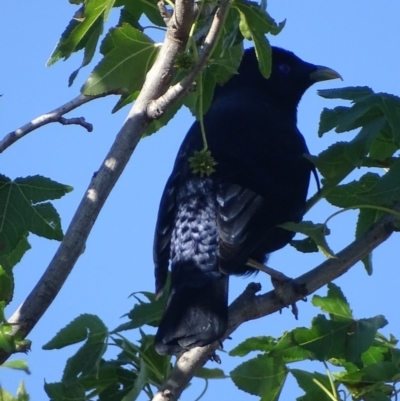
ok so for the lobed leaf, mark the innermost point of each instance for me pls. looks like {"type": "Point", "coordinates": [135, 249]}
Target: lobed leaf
{"type": "Point", "coordinates": [261, 343]}
{"type": "Point", "coordinates": [263, 376]}
{"type": "Point", "coordinates": [316, 232]}
{"type": "Point", "coordinates": [254, 24]}
{"type": "Point", "coordinates": [83, 31]}
{"type": "Point", "coordinates": [307, 382]}
{"type": "Point", "coordinates": [128, 56]}
{"type": "Point", "coordinates": [84, 327]}
{"type": "Point", "coordinates": [335, 303]}
{"type": "Point", "coordinates": [21, 213]}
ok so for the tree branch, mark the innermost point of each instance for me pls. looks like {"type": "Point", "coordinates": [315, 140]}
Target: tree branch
{"type": "Point", "coordinates": [248, 306]}
{"type": "Point", "coordinates": [157, 81]}
{"type": "Point", "coordinates": [52, 117]}
{"type": "Point", "coordinates": [157, 107]}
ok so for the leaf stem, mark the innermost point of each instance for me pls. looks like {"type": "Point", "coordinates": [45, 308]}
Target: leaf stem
{"type": "Point", "coordinates": [327, 392]}
{"type": "Point", "coordinates": [203, 392]}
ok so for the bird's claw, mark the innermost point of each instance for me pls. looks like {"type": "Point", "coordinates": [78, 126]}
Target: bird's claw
{"type": "Point", "coordinates": [284, 288]}
{"type": "Point", "coordinates": [214, 357]}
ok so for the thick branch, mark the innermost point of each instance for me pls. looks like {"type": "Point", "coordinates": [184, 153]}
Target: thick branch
{"type": "Point", "coordinates": [52, 117]}
{"type": "Point", "coordinates": [73, 244]}
{"type": "Point", "coordinates": [248, 306]}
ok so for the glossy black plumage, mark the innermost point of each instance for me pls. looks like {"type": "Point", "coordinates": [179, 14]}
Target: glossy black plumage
{"type": "Point", "coordinates": [209, 227]}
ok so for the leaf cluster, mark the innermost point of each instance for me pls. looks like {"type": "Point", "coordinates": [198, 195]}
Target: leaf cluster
{"type": "Point", "coordinates": [24, 209]}
{"type": "Point", "coordinates": [137, 367]}
{"type": "Point", "coordinates": [368, 363]}
{"type": "Point", "coordinates": [375, 145]}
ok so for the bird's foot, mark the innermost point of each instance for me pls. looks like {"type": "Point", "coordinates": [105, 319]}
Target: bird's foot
{"type": "Point", "coordinates": [275, 274]}
{"type": "Point", "coordinates": [284, 290]}
{"type": "Point", "coordinates": [283, 285]}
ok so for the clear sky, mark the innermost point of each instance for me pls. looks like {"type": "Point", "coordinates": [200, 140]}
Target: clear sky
{"type": "Point", "coordinates": [359, 39]}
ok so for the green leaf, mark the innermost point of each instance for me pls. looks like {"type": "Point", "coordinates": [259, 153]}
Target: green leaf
{"type": "Point", "coordinates": [199, 100]}
{"type": "Point", "coordinates": [86, 360]}
{"type": "Point", "coordinates": [17, 364]}
{"type": "Point", "coordinates": [22, 395]}
{"type": "Point", "coordinates": [7, 341]}
{"type": "Point", "coordinates": [288, 349]}
{"type": "Point", "coordinates": [254, 24]}
{"type": "Point", "coordinates": [354, 193]}
{"type": "Point", "coordinates": [333, 163]}
{"type": "Point", "coordinates": [139, 7]}
{"type": "Point", "coordinates": [325, 339]}
{"type": "Point", "coordinates": [6, 283]}
{"type": "Point", "coordinates": [341, 338]}
{"type": "Point", "coordinates": [330, 118]}
{"type": "Point", "coordinates": [387, 190]}
{"type": "Point", "coordinates": [381, 372]}
{"type": "Point", "coordinates": [46, 222]}
{"type": "Point", "coordinates": [20, 211]}
{"type": "Point", "coordinates": [128, 56]}
{"type": "Point", "coordinates": [61, 392]}
{"type": "Point", "coordinates": [373, 355]}
{"type": "Point", "coordinates": [306, 381]}
{"type": "Point", "coordinates": [367, 217]}
{"type": "Point", "coordinates": [90, 44]}
{"type": "Point", "coordinates": [349, 93]}
{"type": "Point", "coordinates": [18, 252]}
{"type": "Point", "coordinates": [305, 245]}
{"type": "Point", "coordinates": [361, 145]}
{"type": "Point", "coordinates": [124, 100]}
{"type": "Point", "coordinates": [371, 189]}
{"type": "Point", "coordinates": [362, 336]}
{"type": "Point", "coordinates": [39, 189]}
{"type": "Point", "coordinates": [336, 162]}
{"type": "Point", "coordinates": [145, 312]}
{"type": "Point", "coordinates": [80, 32]}
{"type": "Point", "coordinates": [261, 343]}
{"type": "Point", "coordinates": [383, 147]}
{"type": "Point", "coordinates": [105, 377]}
{"type": "Point", "coordinates": [159, 366]}
{"type": "Point", "coordinates": [84, 327]}
{"type": "Point", "coordinates": [12, 343]}
{"type": "Point", "coordinates": [140, 382]}
{"type": "Point", "coordinates": [334, 303]}
{"type": "Point", "coordinates": [227, 64]}
{"type": "Point", "coordinates": [263, 376]}
{"type": "Point", "coordinates": [316, 232]}
{"type": "Point", "coordinates": [6, 396]}
{"type": "Point", "coordinates": [206, 373]}
{"type": "Point", "coordinates": [155, 125]}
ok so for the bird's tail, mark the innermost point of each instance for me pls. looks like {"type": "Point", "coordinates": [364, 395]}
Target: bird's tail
{"type": "Point", "coordinates": [196, 312]}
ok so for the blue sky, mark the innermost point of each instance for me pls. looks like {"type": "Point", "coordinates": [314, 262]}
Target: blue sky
{"type": "Point", "coordinates": [358, 39]}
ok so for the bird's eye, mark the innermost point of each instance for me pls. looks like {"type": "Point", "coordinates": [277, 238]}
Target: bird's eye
{"type": "Point", "coordinates": [284, 68]}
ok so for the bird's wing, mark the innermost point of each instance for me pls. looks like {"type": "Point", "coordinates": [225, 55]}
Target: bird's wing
{"type": "Point", "coordinates": [239, 210]}
{"type": "Point", "coordinates": [164, 227]}
{"type": "Point", "coordinates": [167, 213]}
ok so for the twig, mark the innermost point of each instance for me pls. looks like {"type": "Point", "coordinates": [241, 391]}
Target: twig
{"type": "Point", "coordinates": [76, 121]}
{"type": "Point", "coordinates": [248, 306]}
{"type": "Point", "coordinates": [52, 117]}
{"type": "Point", "coordinates": [164, 12]}
{"type": "Point", "coordinates": [157, 108]}
{"type": "Point", "coordinates": [157, 81]}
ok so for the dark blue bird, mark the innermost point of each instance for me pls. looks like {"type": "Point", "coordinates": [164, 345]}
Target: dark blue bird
{"type": "Point", "coordinates": [226, 223]}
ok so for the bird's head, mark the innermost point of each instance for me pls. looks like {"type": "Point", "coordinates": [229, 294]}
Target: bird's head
{"type": "Point", "coordinates": [290, 76]}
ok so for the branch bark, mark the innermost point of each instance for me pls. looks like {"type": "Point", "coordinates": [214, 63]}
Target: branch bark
{"type": "Point", "coordinates": [157, 83]}
{"type": "Point", "coordinates": [249, 306]}
{"type": "Point", "coordinates": [52, 117]}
